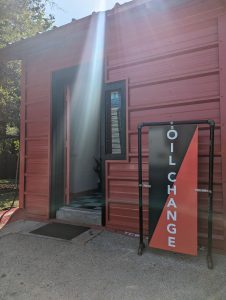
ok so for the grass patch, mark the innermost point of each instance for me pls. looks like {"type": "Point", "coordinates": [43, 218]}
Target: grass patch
{"type": "Point", "coordinates": [7, 181]}
{"type": "Point", "coordinates": [6, 200]}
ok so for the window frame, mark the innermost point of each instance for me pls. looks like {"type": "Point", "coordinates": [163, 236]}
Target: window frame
{"type": "Point", "coordinates": [108, 88]}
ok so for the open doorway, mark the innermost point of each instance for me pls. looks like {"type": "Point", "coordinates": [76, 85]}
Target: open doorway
{"type": "Point", "coordinates": [85, 151]}
{"type": "Point", "coordinates": [76, 143]}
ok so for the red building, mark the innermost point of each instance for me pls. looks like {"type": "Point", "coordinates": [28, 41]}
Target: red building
{"type": "Point", "coordinates": [87, 85]}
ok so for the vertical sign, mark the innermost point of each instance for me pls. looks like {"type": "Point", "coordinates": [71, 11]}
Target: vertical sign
{"type": "Point", "coordinates": [173, 173]}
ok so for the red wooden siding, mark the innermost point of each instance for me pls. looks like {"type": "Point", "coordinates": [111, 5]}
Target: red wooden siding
{"type": "Point", "coordinates": [36, 115]}
{"type": "Point", "coordinates": [171, 61]}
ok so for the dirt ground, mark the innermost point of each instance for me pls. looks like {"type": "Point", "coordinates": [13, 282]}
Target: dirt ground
{"type": "Point", "coordinates": [101, 265]}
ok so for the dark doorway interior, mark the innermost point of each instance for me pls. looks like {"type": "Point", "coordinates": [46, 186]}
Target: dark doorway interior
{"type": "Point", "coordinates": [94, 200]}
{"type": "Point", "coordinates": [77, 172]}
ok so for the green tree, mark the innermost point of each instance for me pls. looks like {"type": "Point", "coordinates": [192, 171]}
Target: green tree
{"type": "Point", "coordinates": [18, 19]}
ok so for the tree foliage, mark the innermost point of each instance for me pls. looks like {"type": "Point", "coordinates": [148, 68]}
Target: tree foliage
{"type": "Point", "coordinates": [22, 18]}
{"type": "Point", "coordinates": [18, 19]}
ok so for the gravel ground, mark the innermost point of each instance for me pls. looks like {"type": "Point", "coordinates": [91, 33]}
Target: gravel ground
{"type": "Point", "coordinates": [104, 267]}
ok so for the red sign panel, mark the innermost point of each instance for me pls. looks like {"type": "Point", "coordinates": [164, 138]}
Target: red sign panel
{"type": "Point", "coordinates": [173, 164]}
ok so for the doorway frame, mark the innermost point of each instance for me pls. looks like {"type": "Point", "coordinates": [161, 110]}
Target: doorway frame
{"type": "Point", "coordinates": [60, 80]}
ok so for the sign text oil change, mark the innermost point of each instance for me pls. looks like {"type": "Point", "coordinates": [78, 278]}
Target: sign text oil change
{"type": "Point", "coordinates": [171, 214]}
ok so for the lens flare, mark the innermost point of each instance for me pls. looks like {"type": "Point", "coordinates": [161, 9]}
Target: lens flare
{"type": "Point", "coordinates": [85, 107]}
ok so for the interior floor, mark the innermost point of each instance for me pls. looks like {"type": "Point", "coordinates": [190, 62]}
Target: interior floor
{"type": "Point", "coordinates": [93, 201]}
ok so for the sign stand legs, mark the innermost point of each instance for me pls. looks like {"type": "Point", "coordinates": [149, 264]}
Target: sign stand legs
{"type": "Point", "coordinates": [210, 199]}
{"type": "Point", "coordinates": [141, 245]}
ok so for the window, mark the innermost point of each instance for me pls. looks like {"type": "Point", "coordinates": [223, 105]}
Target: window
{"type": "Point", "coordinates": [115, 134]}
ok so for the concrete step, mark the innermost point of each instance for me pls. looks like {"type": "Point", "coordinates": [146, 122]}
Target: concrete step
{"type": "Point", "coordinates": [79, 215]}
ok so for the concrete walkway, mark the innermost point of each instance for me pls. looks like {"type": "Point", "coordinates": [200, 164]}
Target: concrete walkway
{"type": "Point", "coordinates": [101, 265]}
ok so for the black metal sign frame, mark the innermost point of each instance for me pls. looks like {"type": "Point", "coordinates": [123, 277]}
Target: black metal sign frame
{"type": "Point", "coordinates": [211, 124]}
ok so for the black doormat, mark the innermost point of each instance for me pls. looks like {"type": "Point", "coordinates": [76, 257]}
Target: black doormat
{"type": "Point", "coordinates": [60, 231]}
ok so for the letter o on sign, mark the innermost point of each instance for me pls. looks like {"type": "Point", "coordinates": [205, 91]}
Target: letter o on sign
{"type": "Point", "coordinates": [172, 134]}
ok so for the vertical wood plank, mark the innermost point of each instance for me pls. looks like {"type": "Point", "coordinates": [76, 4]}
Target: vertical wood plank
{"type": "Point", "coordinates": [50, 143]}
{"type": "Point", "coordinates": [22, 135]}
{"type": "Point", "coordinates": [106, 192]}
{"type": "Point", "coordinates": [127, 119]}
{"type": "Point", "coordinates": [67, 142]}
